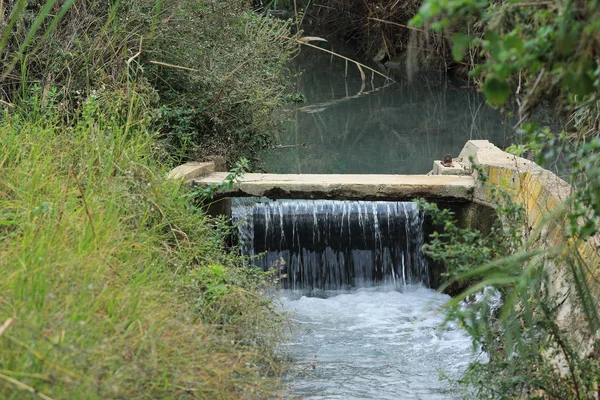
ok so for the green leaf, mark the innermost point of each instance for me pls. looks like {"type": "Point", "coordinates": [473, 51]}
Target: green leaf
{"type": "Point", "coordinates": [460, 44]}
{"type": "Point", "coordinates": [513, 42]}
{"type": "Point", "coordinates": [492, 43]}
{"type": "Point", "coordinates": [496, 91]}
{"type": "Point", "coordinates": [580, 84]}
{"type": "Point", "coordinates": [567, 44]}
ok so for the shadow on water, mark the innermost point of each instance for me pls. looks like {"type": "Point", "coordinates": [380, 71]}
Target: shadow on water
{"type": "Point", "coordinates": [399, 128]}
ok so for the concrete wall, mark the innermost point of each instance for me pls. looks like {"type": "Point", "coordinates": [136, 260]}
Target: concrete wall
{"type": "Point", "coordinates": [542, 195]}
{"type": "Point", "coordinates": [539, 191]}
{"type": "Point", "coordinates": [192, 170]}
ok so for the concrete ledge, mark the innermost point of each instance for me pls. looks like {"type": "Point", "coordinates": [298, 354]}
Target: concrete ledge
{"type": "Point", "coordinates": [192, 170]}
{"type": "Point", "coordinates": [347, 186]}
{"type": "Point", "coordinates": [456, 169]}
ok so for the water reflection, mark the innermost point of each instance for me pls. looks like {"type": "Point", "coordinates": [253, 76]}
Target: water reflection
{"type": "Point", "coordinates": [400, 128]}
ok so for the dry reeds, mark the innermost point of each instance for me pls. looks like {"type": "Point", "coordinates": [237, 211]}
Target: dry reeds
{"type": "Point", "coordinates": [380, 29]}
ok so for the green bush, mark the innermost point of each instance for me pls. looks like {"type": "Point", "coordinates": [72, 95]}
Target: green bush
{"type": "Point", "coordinates": [215, 70]}
{"type": "Point", "coordinates": [511, 314]}
{"type": "Point", "coordinates": [537, 54]}
{"type": "Point", "coordinates": [229, 103]}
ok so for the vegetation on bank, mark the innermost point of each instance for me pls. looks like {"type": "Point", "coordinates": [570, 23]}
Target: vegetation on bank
{"type": "Point", "coordinates": [534, 54]}
{"type": "Point", "coordinates": [213, 72]}
{"type": "Point", "coordinates": [114, 284]}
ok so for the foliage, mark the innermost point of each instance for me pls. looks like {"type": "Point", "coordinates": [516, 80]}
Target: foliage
{"type": "Point", "coordinates": [460, 250]}
{"type": "Point", "coordinates": [228, 104]}
{"type": "Point", "coordinates": [113, 284]}
{"type": "Point", "coordinates": [511, 313]}
{"type": "Point", "coordinates": [377, 28]}
{"type": "Point", "coordinates": [215, 69]}
{"type": "Point", "coordinates": [531, 52]}
{"type": "Point", "coordinates": [234, 175]}
{"type": "Point", "coordinates": [297, 97]}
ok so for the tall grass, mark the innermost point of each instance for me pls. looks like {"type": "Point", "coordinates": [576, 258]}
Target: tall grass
{"type": "Point", "coordinates": [109, 275]}
{"type": "Point", "coordinates": [216, 70]}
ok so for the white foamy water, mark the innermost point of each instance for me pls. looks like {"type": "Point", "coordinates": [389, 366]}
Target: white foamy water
{"type": "Point", "coordinates": [374, 344]}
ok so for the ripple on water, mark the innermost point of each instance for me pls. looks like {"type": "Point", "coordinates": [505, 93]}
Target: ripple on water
{"type": "Point", "coordinates": [374, 344]}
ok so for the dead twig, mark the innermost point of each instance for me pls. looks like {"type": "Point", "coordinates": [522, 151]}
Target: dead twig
{"type": "Point", "coordinates": [5, 325]}
{"type": "Point", "coordinates": [400, 25]}
{"type": "Point", "coordinates": [6, 103]}
{"type": "Point", "coordinates": [532, 3]}
{"type": "Point", "coordinates": [22, 386]}
{"type": "Point", "coordinates": [211, 105]}
{"type": "Point", "coordinates": [360, 66]}
{"type": "Point", "coordinates": [523, 108]}
{"type": "Point", "coordinates": [162, 64]}
{"type": "Point", "coordinates": [136, 55]}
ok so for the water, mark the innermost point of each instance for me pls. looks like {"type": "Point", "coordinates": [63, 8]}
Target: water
{"type": "Point", "coordinates": [362, 324]}
{"type": "Point", "coordinates": [374, 344]}
{"type": "Point", "coordinates": [324, 244]}
{"type": "Point", "coordinates": [401, 128]}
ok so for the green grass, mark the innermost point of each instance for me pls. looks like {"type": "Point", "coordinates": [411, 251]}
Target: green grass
{"type": "Point", "coordinates": [104, 269]}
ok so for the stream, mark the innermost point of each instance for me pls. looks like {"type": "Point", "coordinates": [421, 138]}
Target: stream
{"type": "Point", "coordinates": [396, 129]}
{"type": "Point", "coordinates": [379, 337]}
{"type": "Point", "coordinates": [375, 343]}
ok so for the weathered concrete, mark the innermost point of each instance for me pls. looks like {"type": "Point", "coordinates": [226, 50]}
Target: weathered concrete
{"type": "Point", "coordinates": [538, 190]}
{"type": "Point", "coordinates": [346, 187]}
{"type": "Point", "coordinates": [192, 170]}
{"type": "Point", "coordinates": [455, 169]}
{"type": "Point", "coordinates": [542, 195]}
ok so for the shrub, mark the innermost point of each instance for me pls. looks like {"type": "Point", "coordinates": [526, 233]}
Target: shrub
{"type": "Point", "coordinates": [530, 53]}
{"type": "Point", "coordinates": [216, 69]}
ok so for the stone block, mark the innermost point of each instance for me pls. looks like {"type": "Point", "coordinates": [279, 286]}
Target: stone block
{"type": "Point", "coordinates": [456, 168]}
{"type": "Point", "coordinates": [192, 170]}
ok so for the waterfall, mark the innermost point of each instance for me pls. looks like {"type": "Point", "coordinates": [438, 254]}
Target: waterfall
{"type": "Point", "coordinates": [326, 244]}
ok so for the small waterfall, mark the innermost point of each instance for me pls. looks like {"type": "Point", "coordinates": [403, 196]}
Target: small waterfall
{"type": "Point", "coordinates": [324, 244]}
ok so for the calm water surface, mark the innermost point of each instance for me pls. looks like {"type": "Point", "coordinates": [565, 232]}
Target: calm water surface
{"type": "Point", "coordinates": [400, 128]}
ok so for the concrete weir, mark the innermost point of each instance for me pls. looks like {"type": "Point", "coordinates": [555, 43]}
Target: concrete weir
{"type": "Point", "coordinates": [541, 193]}
{"type": "Point", "coordinates": [346, 186]}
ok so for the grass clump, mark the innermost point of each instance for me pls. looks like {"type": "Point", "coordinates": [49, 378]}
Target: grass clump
{"type": "Point", "coordinates": [113, 285]}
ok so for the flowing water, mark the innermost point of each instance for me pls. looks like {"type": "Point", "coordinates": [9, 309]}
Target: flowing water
{"type": "Point", "coordinates": [363, 323]}
{"type": "Point", "coordinates": [333, 245]}
{"type": "Point", "coordinates": [374, 344]}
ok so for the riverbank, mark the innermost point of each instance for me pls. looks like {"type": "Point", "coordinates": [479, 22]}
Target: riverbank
{"type": "Point", "coordinates": [114, 285]}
